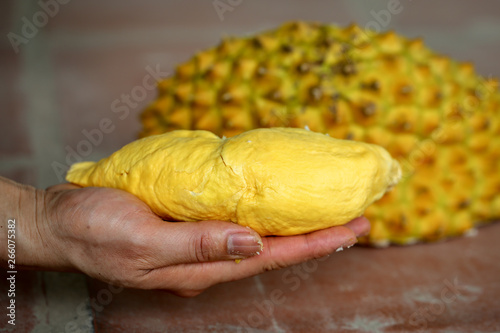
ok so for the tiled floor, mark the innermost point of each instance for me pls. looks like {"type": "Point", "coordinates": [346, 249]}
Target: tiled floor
{"type": "Point", "coordinates": [64, 80]}
{"type": "Point", "coordinates": [360, 290]}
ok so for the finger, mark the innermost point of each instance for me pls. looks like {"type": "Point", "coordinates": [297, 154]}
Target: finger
{"type": "Point", "coordinates": [278, 252]}
{"type": "Point", "coordinates": [360, 226]}
{"type": "Point", "coordinates": [62, 187]}
{"type": "Point", "coordinates": [194, 242]}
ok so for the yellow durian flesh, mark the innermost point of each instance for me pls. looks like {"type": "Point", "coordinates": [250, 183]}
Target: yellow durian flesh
{"type": "Point", "coordinates": [279, 181]}
{"type": "Point", "coordinates": [356, 84]}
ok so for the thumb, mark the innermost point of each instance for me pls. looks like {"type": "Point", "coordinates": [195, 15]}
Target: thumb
{"type": "Point", "coordinates": [192, 242]}
{"type": "Point", "coordinates": [62, 187]}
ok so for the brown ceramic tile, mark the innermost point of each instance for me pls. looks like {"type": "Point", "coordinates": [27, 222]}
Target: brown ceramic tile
{"type": "Point", "coordinates": [257, 15]}
{"type": "Point", "coordinates": [91, 84]}
{"type": "Point", "coordinates": [90, 79]}
{"type": "Point", "coordinates": [359, 290]}
{"type": "Point", "coordinates": [6, 8]}
{"type": "Point", "coordinates": [484, 57]}
{"type": "Point", "coordinates": [154, 13]}
{"type": "Point", "coordinates": [14, 139]}
{"type": "Point", "coordinates": [22, 175]}
{"type": "Point", "coordinates": [482, 53]}
{"type": "Point", "coordinates": [441, 287]}
{"type": "Point", "coordinates": [398, 289]}
{"type": "Point", "coordinates": [218, 310]}
{"type": "Point", "coordinates": [113, 15]}
{"type": "Point", "coordinates": [447, 14]}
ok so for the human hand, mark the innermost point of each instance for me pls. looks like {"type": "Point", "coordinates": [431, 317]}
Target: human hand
{"type": "Point", "coordinates": [113, 236]}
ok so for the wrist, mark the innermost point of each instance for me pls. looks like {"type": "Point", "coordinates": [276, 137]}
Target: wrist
{"type": "Point", "coordinates": [25, 207]}
{"type": "Point", "coordinates": [9, 197]}
{"type": "Point", "coordinates": [40, 246]}
{"type": "Point", "coordinates": [29, 235]}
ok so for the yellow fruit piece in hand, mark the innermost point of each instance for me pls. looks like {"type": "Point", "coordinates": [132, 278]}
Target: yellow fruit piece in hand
{"type": "Point", "coordinates": [277, 181]}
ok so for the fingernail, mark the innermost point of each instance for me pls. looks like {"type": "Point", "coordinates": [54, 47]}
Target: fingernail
{"type": "Point", "coordinates": [347, 244]}
{"type": "Point", "coordinates": [243, 244]}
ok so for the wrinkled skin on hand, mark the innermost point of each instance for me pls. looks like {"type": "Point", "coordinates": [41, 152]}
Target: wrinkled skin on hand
{"type": "Point", "coordinates": [113, 236]}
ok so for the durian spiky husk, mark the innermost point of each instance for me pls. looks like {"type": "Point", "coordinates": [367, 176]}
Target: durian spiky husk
{"type": "Point", "coordinates": [437, 117]}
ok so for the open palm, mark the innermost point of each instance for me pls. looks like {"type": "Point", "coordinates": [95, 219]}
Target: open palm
{"type": "Point", "coordinates": [113, 236]}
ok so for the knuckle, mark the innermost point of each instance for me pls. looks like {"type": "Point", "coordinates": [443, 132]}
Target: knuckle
{"type": "Point", "coordinates": [139, 242]}
{"type": "Point", "coordinates": [274, 265]}
{"type": "Point", "coordinates": [203, 248]}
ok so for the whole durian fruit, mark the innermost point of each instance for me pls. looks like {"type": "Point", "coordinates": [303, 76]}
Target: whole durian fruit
{"type": "Point", "coordinates": [437, 117]}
